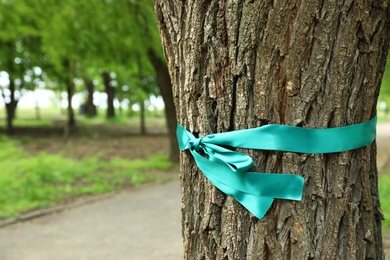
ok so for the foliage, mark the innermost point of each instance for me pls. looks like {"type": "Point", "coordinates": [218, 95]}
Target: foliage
{"type": "Point", "coordinates": [383, 116]}
{"type": "Point", "coordinates": [30, 182]}
{"type": "Point", "coordinates": [80, 39]}
{"type": "Point", "coordinates": [384, 191]}
{"type": "Point", "coordinates": [384, 95]}
{"type": "Point", "coordinates": [20, 44]}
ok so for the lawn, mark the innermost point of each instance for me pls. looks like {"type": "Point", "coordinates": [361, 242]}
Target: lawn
{"type": "Point", "coordinates": [384, 191]}
{"type": "Point", "coordinates": [39, 168]}
{"type": "Point", "coordinates": [28, 182]}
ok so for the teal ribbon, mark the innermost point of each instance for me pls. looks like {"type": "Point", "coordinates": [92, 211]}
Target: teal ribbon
{"type": "Point", "coordinates": [228, 169]}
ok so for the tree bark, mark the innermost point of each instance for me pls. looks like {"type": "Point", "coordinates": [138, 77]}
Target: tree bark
{"type": "Point", "coordinates": [110, 91]}
{"type": "Point", "coordinates": [90, 108]}
{"type": "Point", "coordinates": [70, 91]}
{"type": "Point", "coordinates": [71, 123]}
{"type": "Point", "coordinates": [240, 64]}
{"type": "Point", "coordinates": [10, 107]}
{"type": "Point", "coordinates": [142, 117]}
{"type": "Point", "coordinates": [10, 103]}
{"type": "Point", "coordinates": [165, 86]}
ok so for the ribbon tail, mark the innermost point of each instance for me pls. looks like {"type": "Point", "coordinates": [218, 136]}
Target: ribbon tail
{"type": "Point", "coordinates": [281, 186]}
{"type": "Point", "coordinates": [256, 205]}
{"type": "Point", "coordinates": [278, 186]}
{"type": "Point", "coordinates": [255, 191]}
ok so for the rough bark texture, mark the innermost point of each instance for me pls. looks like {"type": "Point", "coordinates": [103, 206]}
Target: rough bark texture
{"type": "Point", "coordinates": [165, 86]}
{"type": "Point", "coordinates": [240, 64]}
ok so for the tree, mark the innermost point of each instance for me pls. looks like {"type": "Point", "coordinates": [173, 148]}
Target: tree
{"type": "Point", "coordinates": [165, 86]}
{"type": "Point", "coordinates": [110, 91]}
{"type": "Point", "coordinates": [143, 41]}
{"type": "Point", "coordinates": [241, 64]}
{"type": "Point", "coordinates": [60, 26]}
{"type": "Point", "coordinates": [14, 71]}
{"type": "Point", "coordinates": [19, 44]}
{"type": "Point", "coordinates": [148, 33]}
{"type": "Point", "coordinates": [385, 87]}
{"type": "Point", "coordinates": [90, 108]}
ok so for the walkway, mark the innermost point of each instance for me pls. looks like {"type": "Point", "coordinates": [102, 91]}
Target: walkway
{"type": "Point", "coordinates": [143, 223]}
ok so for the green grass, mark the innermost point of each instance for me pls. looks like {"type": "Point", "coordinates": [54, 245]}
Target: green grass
{"type": "Point", "coordinates": [383, 117]}
{"type": "Point", "coordinates": [384, 193]}
{"type": "Point", "coordinates": [25, 117]}
{"type": "Point", "coordinates": [30, 113]}
{"type": "Point", "coordinates": [28, 182]}
{"type": "Point", "coordinates": [101, 119]}
{"type": "Point", "coordinates": [133, 120]}
{"type": "Point", "coordinates": [29, 122]}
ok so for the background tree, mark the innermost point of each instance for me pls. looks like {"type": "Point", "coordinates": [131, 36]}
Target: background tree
{"type": "Point", "coordinates": [142, 40]}
{"type": "Point", "coordinates": [85, 40]}
{"type": "Point", "coordinates": [165, 86]}
{"type": "Point", "coordinates": [242, 64]}
{"type": "Point", "coordinates": [19, 44]}
{"type": "Point", "coordinates": [385, 87]}
{"type": "Point", "coordinates": [90, 108]}
{"type": "Point", "coordinates": [60, 25]}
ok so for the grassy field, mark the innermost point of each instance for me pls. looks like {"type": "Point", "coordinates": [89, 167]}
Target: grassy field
{"type": "Point", "coordinates": [26, 117]}
{"type": "Point", "coordinates": [29, 182]}
{"type": "Point", "coordinates": [383, 117]}
{"type": "Point", "coordinates": [384, 182]}
{"type": "Point", "coordinates": [384, 193]}
{"type": "Point", "coordinates": [39, 169]}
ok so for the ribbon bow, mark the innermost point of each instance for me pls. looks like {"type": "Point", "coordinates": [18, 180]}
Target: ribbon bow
{"type": "Point", "coordinates": [228, 169]}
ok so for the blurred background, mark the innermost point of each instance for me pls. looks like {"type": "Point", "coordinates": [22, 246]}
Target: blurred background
{"type": "Point", "coordinates": [81, 103]}
{"type": "Point", "coordinates": [81, 110]}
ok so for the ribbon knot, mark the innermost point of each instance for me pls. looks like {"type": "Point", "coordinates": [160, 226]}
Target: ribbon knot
{"type": "Point", "coordinates": [196, 144]}
{"type": "Point", "coordinates": [213, 151]}
{"type": "Point", "coordinates": [228, 169]}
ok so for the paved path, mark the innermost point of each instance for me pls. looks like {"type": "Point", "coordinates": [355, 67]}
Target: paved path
{"type": "Point", "coordinates": [140, 224]}
{"type": "Point", "coordinates": [383, 144]}
{"type": "Point", "coordinates": [383, 158]}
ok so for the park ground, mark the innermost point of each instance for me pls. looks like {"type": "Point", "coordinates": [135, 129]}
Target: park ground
{"type": "Point", "coordinates": [383, 159]}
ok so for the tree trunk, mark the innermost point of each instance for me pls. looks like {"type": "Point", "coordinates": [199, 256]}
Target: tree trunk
{"type": "Point", "coordinates": [10, 106]}
{"type": "Point", "coordinates": [37, 108]}
{"type": "Point", "coordinates": [110, 91]}
{"type": "Point", "coordinates": [317, 64]}
{"type": "Point", "coordinates": [10, 102]}
{"type": "Point", "coordinates": [90, 108]}
{"type": "Point", "coordinates": [142, 117]}
{"type": "Point", "coordinates": [165, 86]}
{"type": "Point", "coordinates": [70, 91]}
